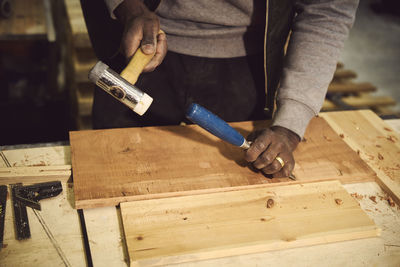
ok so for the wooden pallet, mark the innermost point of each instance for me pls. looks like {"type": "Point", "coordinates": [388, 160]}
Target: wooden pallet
{"type": "Point", "coordinates": [345, 94]}
{"type": "Point", "coordinates": [81, 61]}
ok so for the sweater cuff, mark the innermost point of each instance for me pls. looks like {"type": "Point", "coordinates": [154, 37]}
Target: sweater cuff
{"type": "Point", "coordinates": [293, 115]}
{"type": "Point", "coordinates": [112, 5]}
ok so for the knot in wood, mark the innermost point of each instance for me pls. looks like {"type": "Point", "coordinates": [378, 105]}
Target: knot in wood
{"type": "Point", "coordinates": [270, 203]}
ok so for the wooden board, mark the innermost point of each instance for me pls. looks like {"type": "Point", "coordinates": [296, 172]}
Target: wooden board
{"type": "Point", "coordinates": [117, 165]}
{"type": "Point", "coordinates": [36, 174]}
{"type": "Point", "coordinates": [77, 23]}
{"type": "Point", "coordinates": [28, 21]}
{"type": "Point", "coordinates": [35, 165]}
{"type": "Point", "coordinates": [106, 237]}
{"type": "Point", "coordinates": [191, 228]}
{"type": "Point", "coordinates": [376, 142]}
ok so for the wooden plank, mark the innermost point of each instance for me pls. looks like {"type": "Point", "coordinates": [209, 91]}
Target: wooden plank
{"type": "Point", "coordinates": [191, 228]}
{"type": "Point", "coordinates": [375, 141]}
{"type": "Point", "coordinates": [106, 236]}
{"type": "Point", "coordinates": [116, 165]}
{"type": "Point", "coordinates": [342, 74]}
{"type": "Point", "coordinates": [77, 23]}
{"type": "Point", "coordinates": [366, 101]}
{"type": "Point", "coordinates": [32, 165]}
{"type": "Point", "coordinates": [35, 174]}
{"type": "Point", "coordinates": [351, 87]}
{"type": "Point", "coordinates": [28, 21]}
{"type": "Point", "coordinates": [38, 156]}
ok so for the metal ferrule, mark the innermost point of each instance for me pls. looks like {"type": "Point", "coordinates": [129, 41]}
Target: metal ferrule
{"type": "Point", "coordinates": [119, 88]}
{"type": "Point", "coordinates": [246, 144]}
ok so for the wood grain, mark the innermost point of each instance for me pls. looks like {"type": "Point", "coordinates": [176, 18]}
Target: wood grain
{"type": "Point", "coordinates": [191, 228]}
{"type": "Point", "coordinates": [28, 21]}
{"type": "Point", "coordinates": [376, 142]}
{"type": "Point", "coordinates": [117, 165]}
{"type": "Point", "coordinates": [77, 23]}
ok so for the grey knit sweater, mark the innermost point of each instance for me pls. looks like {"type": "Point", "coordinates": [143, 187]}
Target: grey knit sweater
{"type": "Point", "coordinates": [215, 29]}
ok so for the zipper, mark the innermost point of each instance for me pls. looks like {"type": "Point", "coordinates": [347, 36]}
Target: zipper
{"type": "Point", "coordinates": [265, 58]}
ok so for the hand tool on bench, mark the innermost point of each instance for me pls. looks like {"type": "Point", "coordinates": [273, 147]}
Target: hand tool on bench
{"type": "Point", "coordinates": [215, 125]}
{"type": "Point", "coordinates": [218, 127]}
{"type": "Point", "coordinates": [3, 200]}
{"type": "Point", "coordinates": [30, 195]}
{"type": "Point", "coordinates": [121, 87]}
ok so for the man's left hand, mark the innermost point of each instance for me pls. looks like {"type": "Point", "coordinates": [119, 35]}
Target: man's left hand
{"type": "Point", "coordinates": [270, 144]}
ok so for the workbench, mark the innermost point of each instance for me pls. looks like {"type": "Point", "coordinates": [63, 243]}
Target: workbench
{"type": "Point", "coordinates": [58, 237]}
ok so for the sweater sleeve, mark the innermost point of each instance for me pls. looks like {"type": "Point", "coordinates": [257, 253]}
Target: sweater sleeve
{"type": "Point", "coordinates": [318, 34]}
{"type": "Point", "coordinates": [112, 5]}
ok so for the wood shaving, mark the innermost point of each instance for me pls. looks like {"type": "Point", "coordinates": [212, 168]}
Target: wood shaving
{"type": "Point", "coordinates": [338, 201]}
{"type": "Point", "coordinates": [387, 129]}
{"type": "Point", "coordinates": [380, 156]}
{"type": "Point", "coordinates": [373, 198]}
{"type": "Point", "coordinates": [391, 202]}
{"type": "Point", "coordinates": [327, 138]}
{"type": "Point", "coordinates": [357, 196]}
{"type": "Point", "coordinates": [341, 135]}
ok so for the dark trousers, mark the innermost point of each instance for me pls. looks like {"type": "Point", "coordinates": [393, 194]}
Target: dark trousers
{"type": "Point", "coordinates": [232, 88]}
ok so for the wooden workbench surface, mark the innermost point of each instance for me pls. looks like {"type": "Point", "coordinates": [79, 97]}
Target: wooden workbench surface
{"type": "Point", "coordinates": [104, 224]}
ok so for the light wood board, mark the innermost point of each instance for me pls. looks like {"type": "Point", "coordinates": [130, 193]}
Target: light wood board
{"type": "Point", "coordinates": [35, 165]}
{"type": "Point", "coordinates": [27, 21]}
{"type": "Point", "coordinates": [190, 228]}
{"type": "Point", "coordinates": [117, 165]}
{"type": "Point", "coordinates": [376, 142]}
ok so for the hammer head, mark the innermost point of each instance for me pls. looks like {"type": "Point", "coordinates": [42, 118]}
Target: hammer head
{"type": "Point", "coordinates": [119, 88]}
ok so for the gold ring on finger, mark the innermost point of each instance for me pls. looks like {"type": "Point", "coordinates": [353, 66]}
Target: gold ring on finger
{"type": "Point", "coordinates": [280, 160]}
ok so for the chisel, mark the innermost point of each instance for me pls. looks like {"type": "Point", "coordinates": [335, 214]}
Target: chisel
{"type": "Point", "coordinates": [215, 125]}
{"type": "Point", "coordinates": [218, 127]}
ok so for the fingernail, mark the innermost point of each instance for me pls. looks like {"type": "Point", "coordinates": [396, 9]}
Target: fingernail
{"type": "Point", "coordinates": [148, 48]}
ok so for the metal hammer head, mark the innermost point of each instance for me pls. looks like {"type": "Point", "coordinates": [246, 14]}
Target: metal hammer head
{"type": "Point", "coordinates": [119, 88]}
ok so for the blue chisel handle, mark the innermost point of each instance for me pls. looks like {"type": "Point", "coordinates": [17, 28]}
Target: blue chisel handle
{"type": "Point", "coordinates": [215, 125]}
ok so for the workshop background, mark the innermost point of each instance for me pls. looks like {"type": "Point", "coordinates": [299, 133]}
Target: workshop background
{"type": "Point", "coordinates": [45, 55]}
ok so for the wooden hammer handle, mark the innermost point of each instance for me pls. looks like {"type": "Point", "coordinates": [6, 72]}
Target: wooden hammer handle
{"type": "Point", "coordinates": [136, 65]}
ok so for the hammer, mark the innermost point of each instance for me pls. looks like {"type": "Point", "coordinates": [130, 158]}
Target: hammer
{"type": "Point", "coordinates": [121, 87]}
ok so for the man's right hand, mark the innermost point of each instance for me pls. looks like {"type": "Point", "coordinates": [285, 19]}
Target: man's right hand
{"type": "Point", "coordinates": [141, 28]}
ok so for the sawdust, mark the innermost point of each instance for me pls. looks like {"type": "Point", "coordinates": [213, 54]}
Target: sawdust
{"type": "Point", "coordinates": [42, 163]}
{"type": "Point", "coordinates": [338, 201]}
{"type": "Point", "coordinates": [373, 199]}
{"type": "Point", "coordinates": [380, 157]}
{"type": "Point", "coordinates": [357, 196]}
{"type": "Point", "coordinates": [327, 138]}
{"type": "Point", "coordinates": [341, 136]}
{"type": "Point", "coordinates": [387, 129]}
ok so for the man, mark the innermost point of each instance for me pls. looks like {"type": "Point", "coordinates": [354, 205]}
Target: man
{"type": "Point", "coordinates": [229, 57]}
